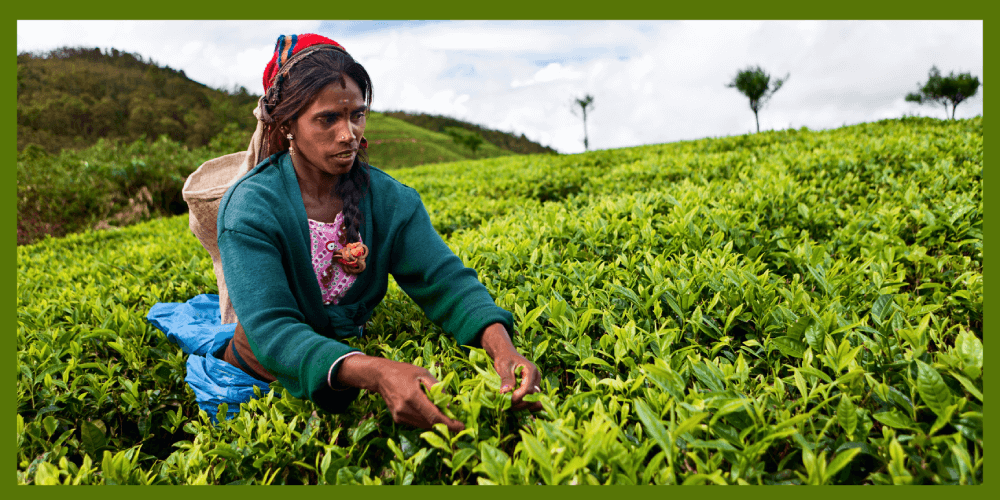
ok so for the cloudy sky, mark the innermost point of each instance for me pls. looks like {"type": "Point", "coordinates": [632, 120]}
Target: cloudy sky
{"type": "Point", "coordinates": [652, 81]}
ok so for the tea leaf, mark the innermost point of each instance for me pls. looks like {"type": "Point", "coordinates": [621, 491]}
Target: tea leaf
{"type": "Point", "coordinates": [814, 334]}
{"type": "Point", "coordinates": [970, 349]}
{"type": "Point", "coordinates": [434, 440]}
{"type": "Point", "coordinates": [493, 463]}
{"type": "Point", "coordinates": [363, 429]}
{"type": "Point", "coordinates": [933, 391]}
{"type": "Point", "coordinates": [968, 385]}
{"type": "Point", "coordinates": [708, 374]}
{"type": "Point", "coordinates": [895, 419]}
{"type": "Point", "coordinates": [841, 460]}
{"type": "Point", "coordinates": [847, 415]}
{"type": "Point", "coordinates": [666, 379]}
{"type": "Point", "coordinates": [881, 308]}
{"type": "Point", "coordinates": [789, 346]}
{"type": "Point", "coordinates": [653, 426]}
{"type": "Point", "coordinates": [92, 435]}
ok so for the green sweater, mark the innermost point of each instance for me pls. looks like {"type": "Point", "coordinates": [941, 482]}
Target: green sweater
{"type": "Point", "coordinates": [265, 247]}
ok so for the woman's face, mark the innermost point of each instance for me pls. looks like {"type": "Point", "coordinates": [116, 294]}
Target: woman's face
{"type": "Point", "coordinates": [327, 133]}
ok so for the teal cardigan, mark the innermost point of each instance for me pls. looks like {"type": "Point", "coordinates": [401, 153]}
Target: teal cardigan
{"type": "Point", "coordinates": [266, 258]}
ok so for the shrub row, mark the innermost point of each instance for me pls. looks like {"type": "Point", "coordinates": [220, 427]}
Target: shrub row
{"type": "Point", "coordinates": [788, 307]}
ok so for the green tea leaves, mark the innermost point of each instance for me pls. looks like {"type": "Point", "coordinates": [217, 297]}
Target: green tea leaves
{"type": "Point", "coordinates": [749, 309]}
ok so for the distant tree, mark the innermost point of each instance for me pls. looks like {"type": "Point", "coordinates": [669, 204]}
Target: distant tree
{"type": "Point", "coordinates": [754, 83]}
{"type": "Point", "coordinates": [951, 89]}
{"type": "Point", "coordinates": [586, 102]}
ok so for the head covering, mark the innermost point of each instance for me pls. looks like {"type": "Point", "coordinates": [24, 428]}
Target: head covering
{"type": "Point", "coordinates": [288, 47]}
{"type": "Point", "coordinates": [204, 188]}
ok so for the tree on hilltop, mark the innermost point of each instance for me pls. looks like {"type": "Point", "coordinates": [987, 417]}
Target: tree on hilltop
{"type": "Point", "coordinates": [754, 83]}
{"type": "Point", "coordinates": [951, 89]}
{"type": "Point", "coordinates": [586, 102]}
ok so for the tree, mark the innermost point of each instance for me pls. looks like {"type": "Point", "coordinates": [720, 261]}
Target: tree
{"type": "Point", "coordinates": [464, 137]}
{"type": "Point", "coordinates": [754, 83]}
{"type": "Point", "coordinates": [586, 102]}
{"type": "Point", "coordinates": [945, 89]}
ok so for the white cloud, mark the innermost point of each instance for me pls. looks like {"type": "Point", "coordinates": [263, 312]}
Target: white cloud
{"type": "Point", "coordinates": [552, 72]}
{"type": "Point", "coordinates": [652, 81]}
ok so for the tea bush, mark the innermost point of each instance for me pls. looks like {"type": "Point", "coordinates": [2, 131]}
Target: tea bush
{"type": "Point", "coordinates": [788, 307]}
{"type": "Point", "coordinates": [112, 182]}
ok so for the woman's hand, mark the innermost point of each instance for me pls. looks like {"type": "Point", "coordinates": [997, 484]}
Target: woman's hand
{"type": "Point", "coordinates": [506, 360]}
{"type": "Point", "coordinates": [400, 385]}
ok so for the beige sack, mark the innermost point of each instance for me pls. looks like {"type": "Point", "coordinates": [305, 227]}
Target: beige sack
{"type": "Point", "coordinates": [203, 190]}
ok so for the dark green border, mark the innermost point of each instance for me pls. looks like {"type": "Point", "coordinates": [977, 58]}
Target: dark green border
{"type": "Point", "coordinates": [512, 9]}
{"type": "Point", "coordinates": [509, 9]}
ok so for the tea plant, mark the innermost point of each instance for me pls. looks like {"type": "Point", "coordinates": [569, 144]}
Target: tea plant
{"type": "Point", "coordinates": [789, 307]}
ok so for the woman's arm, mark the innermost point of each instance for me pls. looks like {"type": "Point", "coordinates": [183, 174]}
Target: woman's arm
{"type": "Point", "coordinates": [506, 360]}
{"type": "Point", "coordinates": [448, 292]}
{"type": "Point", "coordinates": [452, 296]}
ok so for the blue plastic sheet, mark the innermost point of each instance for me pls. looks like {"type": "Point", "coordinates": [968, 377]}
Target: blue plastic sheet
{"type": "Point", "coordinates": [196, 327]}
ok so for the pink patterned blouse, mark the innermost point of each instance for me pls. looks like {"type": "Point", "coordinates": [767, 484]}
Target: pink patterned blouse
{"type": "Point", "coordinates": [325, 239]}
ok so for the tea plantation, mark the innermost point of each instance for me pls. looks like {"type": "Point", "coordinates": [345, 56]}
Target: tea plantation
{"type": "Point", "coordinates": [787, 307]}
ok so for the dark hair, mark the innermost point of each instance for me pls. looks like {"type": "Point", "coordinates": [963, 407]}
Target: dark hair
{"type": "Point", "coordinates": [293, 92]}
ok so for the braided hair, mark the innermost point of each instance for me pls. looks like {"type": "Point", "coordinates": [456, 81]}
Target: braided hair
{"type": "Point", "coordinates": [292, 92]}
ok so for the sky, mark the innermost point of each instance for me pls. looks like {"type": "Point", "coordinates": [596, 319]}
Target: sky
{"type": "Point", "coordinates": [652, 81]}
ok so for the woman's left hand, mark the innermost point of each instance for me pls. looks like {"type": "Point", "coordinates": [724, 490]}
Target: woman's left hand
{"type": "Point", "coordinates": [506, 361]}
{"type": "Point", "coordinates": [506, 365]}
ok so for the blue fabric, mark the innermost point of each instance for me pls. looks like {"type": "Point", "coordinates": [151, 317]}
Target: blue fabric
{"type": "Point", "coordinates": [196, 327]}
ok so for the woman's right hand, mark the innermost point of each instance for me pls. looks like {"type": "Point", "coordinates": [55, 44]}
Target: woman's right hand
{"type": "Point", "coordinates": [401, 386]}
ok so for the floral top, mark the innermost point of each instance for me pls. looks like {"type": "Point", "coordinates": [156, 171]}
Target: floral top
{"type": "Point", "coordinates": [325, 239]}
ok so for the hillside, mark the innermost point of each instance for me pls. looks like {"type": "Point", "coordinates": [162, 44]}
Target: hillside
{"type": "Point", "coordinates": [394, 143]}
{"type": "Point", "coordinates": [789, 307]}
{"type": "Point", "coordinates": [505, 140]}
{"type": "Point", "coordinates": [71, 97]}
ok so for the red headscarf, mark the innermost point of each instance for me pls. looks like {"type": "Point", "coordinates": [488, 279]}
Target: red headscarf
{"type": "Point", "coordinates": [288, 46]}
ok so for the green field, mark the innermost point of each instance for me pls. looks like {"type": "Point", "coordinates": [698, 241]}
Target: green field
{"type": "Point", "coordinates": [786, 307]}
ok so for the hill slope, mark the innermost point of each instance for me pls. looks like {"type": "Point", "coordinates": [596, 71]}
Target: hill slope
{"type": "Point", "coordinates": [789, 307]}
{"type": "Point", "coordinates": [394, 143]}
{"type": "Point", "coordinates": [504, 140]}
{"type": "Point", "coordinates": [71, 97]}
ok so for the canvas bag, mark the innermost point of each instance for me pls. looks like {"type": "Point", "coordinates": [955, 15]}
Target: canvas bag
{"type": "Point", "coordinates": [203, 190]}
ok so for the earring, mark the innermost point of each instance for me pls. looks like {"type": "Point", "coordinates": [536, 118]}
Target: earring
{"type": "Point", "coordinates": [291, 150]}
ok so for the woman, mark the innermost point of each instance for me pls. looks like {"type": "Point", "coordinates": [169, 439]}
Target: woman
{"type": "Point", "coordinates": [309, 236]}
